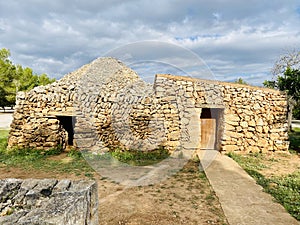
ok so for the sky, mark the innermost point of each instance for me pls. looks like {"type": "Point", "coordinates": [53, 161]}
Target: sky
{"type": "Point", "coordinates": [233, 38]}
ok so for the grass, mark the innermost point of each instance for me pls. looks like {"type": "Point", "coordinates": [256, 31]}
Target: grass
{"type": "Point", "coordinates": [285, 189]}
{"type": "Point", "coordinates": [3, 139]}
{"type": "Point", "coordinates": [140, 158]}
{"type": "Point", "coordinates": [294, 138]}
{"type": "Point", "coordinates": [30, 159]}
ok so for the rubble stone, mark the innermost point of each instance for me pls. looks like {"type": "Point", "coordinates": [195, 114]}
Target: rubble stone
{"type": "Point", "coordinates": [107, 105]}
{"type": "Point", "coordinates": [48, 201]}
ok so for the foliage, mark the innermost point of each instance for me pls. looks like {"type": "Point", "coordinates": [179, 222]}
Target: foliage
{"type": "Point", "coordinates": [289, 82]}
{"type": "Point", "coordinates": [75, 154]}
{"type": "Point", "coordinates": [269, 84]}
{"type": "Point", "coordinates": [285, 189]}
{"type": "Point", "coordinates": [3, 139]}
{"type": "Point", "coordinates": [287, 78]}
{"type": "Point", "coordinates": [240, 81]}
{"type": "Point", "coordinates": [294, 138]}
{"type": "Point", "coordinates": [53, 151]}
{"type": "Point", "coordinates": [14, 78]}
{"type": "Point", "coordinates": [140, 158]}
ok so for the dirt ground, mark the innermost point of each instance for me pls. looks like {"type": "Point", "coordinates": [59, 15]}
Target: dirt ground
{"type": "Point", "coordinates": [277, 164]}
{"type": "Point", "coordinates": [185, 198]}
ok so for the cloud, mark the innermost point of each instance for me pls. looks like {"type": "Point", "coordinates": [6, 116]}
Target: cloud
{"type": "Point", "coordinates": [232, 37]}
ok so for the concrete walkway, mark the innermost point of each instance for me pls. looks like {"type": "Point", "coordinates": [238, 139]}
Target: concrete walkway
{"type": "Point", "coordinates": [242, 200]}
{"type": "Point", "coordinates": [5, 120]}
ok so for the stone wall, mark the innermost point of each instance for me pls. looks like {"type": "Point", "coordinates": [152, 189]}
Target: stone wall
{"type": "Point", "coordinates": [38, 117]}
{"type": "Point", "coordinates": [48, 201]}
{"type": "Point", "coordinates": [112, 107]}
{"type": "Point", "coordinates": [251, 119]}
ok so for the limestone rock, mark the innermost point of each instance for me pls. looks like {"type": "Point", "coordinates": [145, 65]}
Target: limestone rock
{"type": "Point", "coordinates": [105, 104]}
{"type": "Point", "coordinates": [48, 201]}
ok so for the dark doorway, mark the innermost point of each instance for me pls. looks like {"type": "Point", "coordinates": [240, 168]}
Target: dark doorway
{"type": "Point", "coordinates": [67, 124]}
{"type": "Point", "coordinates": [211, 129]}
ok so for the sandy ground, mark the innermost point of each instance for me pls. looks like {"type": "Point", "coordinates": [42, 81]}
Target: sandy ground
{"type": "Point", "coordinates": [5, 119]}
{"type": "Point", "coordinates": [185, 198]}
{"type": "Point", "coordinates": [280, 164]}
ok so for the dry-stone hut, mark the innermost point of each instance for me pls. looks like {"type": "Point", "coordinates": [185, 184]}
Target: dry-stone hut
{"type": "Point", "coordinates": [105, 105]}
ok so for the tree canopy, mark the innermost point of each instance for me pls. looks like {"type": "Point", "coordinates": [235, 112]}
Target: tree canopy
{"type": "Point", "coordinates": [286, 73]}
{"type": "Point", "coordinates": [14, 78]}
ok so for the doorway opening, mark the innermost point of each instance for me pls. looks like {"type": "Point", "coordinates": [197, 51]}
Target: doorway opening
{"type": "Point", "coordinates": [211, 128]}
{"type": "Point", "coordinates": [67, 124]}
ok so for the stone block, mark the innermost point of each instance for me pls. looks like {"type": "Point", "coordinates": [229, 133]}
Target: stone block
{"type": "Point", "coordinates": [230, 148]}
{"type": "Point", "coordinates": [259, 122]}
{"type": "Point", "coordinates": [49, 201]}
{"type": "Point", "coordinates": [253, 149]}
{"type": "Point", "coordinates": [243, 124]}
{"type": "Point", "coordinates": [262, 143]}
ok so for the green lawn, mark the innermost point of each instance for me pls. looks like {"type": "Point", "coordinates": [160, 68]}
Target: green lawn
{"type": "Point", "coordinates": [294, 138]}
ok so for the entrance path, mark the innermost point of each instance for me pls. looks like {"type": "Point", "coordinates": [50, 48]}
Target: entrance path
{"type": "Point", "coordinates": [243, 201]}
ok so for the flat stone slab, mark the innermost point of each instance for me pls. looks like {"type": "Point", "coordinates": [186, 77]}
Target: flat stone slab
{"type": "Point", "coordinates": [48, 201]}
{"type": "Point", "coordinates": [242, 200]}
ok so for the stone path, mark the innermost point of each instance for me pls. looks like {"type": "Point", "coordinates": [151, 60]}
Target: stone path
{"type": "Point", "coordinates": [242, 200]}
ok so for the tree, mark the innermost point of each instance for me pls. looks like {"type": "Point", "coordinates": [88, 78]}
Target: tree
{"type": "Point", "coordinates": [290, 82]}
{"type": "Point", "coordinates": [4, 54]}
{"type": "Point", "coordinates": [269, 84]}
{"type": "Point", "coordinates": [286, 78]}
{"type": "Point", "coordinates": [291, 59]}
{"type": "Point", "coordinates": [240, 81]}
{"type": "Point", "coordinates": [14, 78]}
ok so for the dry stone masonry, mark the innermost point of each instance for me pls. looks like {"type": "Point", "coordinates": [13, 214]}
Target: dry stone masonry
{"type": "Point", "coordinates": [249, 119]}
{"type": "Point", "coordinates": [48, 201]}
{"type": "Point", "coordinates": [107, 105]}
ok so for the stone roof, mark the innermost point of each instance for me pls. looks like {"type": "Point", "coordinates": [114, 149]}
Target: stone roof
{"type": "Point", "coordinates": [104, 69]}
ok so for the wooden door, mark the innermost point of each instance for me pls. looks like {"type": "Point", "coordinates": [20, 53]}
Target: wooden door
{"type": "Point", "coordinates": [208, 133]}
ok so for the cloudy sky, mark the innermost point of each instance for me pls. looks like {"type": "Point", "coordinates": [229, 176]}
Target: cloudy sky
{"type": "Point", "coordinates": [235, 38]}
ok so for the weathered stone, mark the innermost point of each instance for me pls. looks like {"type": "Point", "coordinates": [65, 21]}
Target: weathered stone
{"type": "Point", "coordinates": [244, 124]}
{"type": "Point", "coordinates": [260, 122]}
{"type": "Point", "coordinates": [49, 201]}
{"type": "Point", "coordinates": [232, 117]}
{"type": "Point", "coordinates": [252, 123]}
{"type": "Point", "coordinates": [114, 107]}
{"type": "Point", "coordinates": [262, 143]}
{"type": "Point", "coordinates": [259, 129]}
{"type": "Point", "coordinates": [230, 148]}
{"type": "Point", "coordinates": [233, 134]}
{"type": "Point", "coordinates": [229, 127]}
{"type": "Point", "coordinates": [253, 149]}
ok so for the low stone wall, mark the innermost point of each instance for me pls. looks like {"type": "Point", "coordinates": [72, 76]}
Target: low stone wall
{"type": "Point", "coordinates": [48, 201]}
